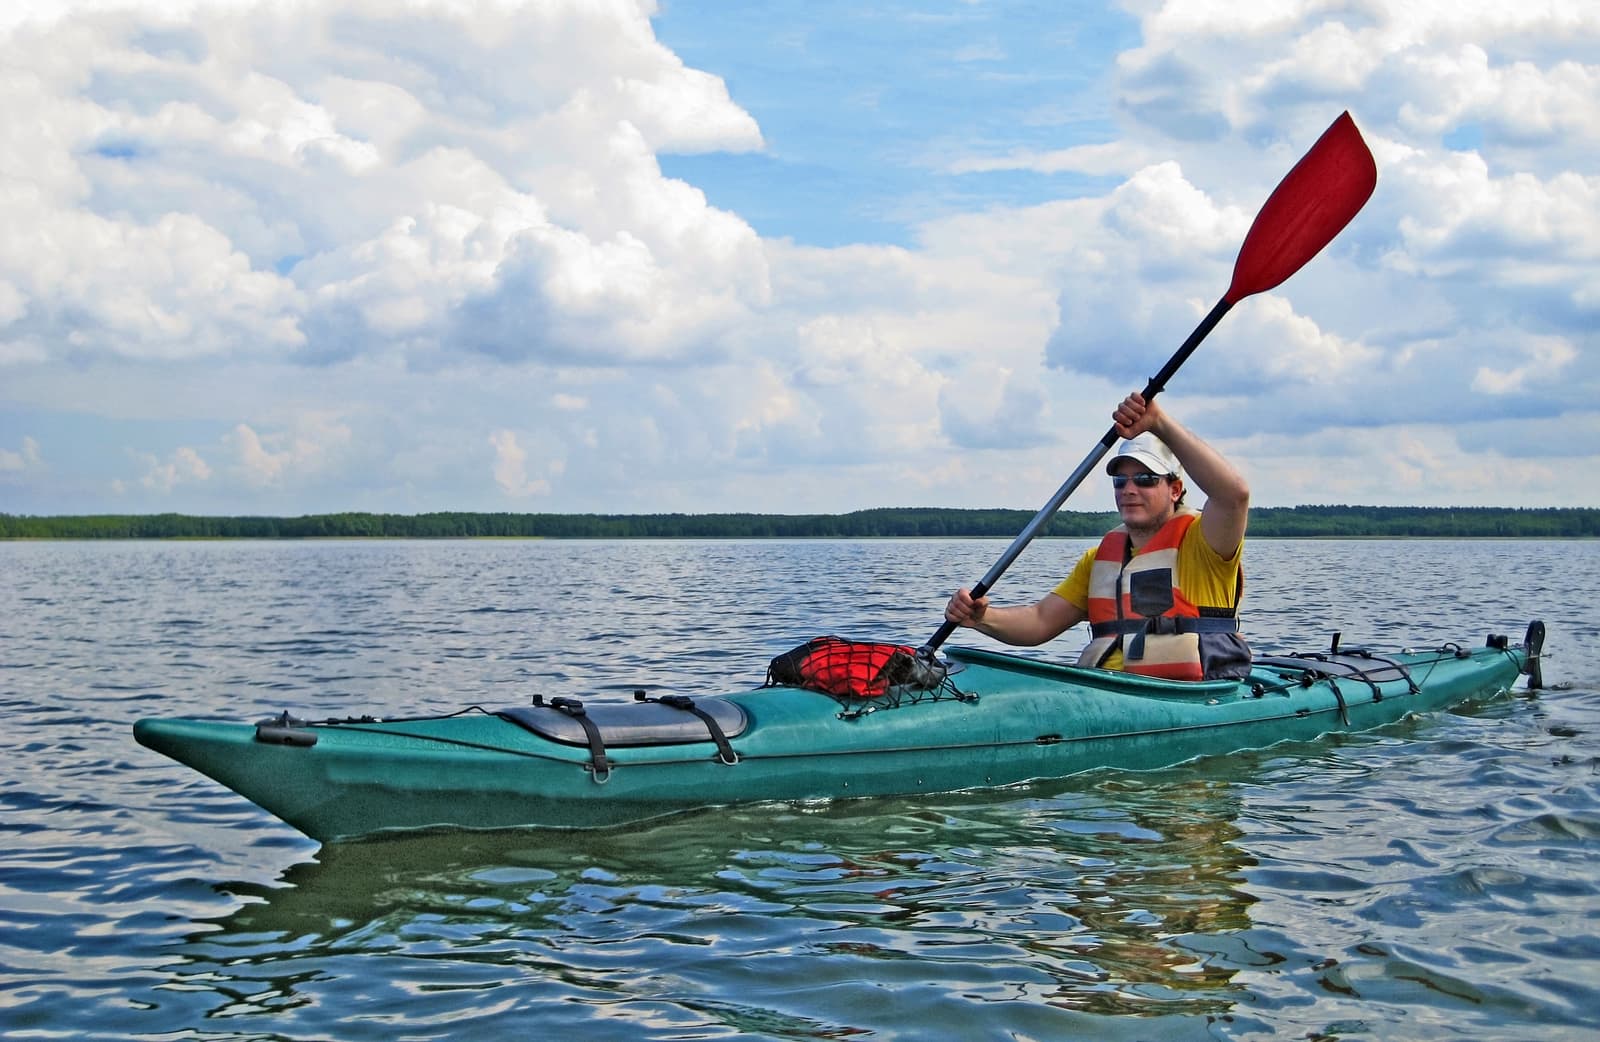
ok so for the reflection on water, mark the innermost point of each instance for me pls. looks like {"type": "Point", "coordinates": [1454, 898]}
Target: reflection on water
{"type": "Point", "coordinates": [1432, 880]}
{"type": "Point", "coordinates": [1077, 900]}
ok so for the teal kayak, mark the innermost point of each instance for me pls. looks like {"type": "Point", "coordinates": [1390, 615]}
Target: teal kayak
{"type": "Point", "coordinates": [996, 720]}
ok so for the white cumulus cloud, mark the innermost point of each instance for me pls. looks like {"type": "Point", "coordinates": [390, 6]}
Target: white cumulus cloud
{"type": "Point", "coordinates": [27, 456]}
{"type": "Point", "coordinates": [183, 466]}
{"type": "Point", "coordinates": [511, 464]}
{"type": "Point", "coordinates": [246, 178]}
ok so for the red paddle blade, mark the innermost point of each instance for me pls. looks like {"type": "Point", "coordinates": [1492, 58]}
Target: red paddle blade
{"type": "Point", "coordinates": [1328, 187]}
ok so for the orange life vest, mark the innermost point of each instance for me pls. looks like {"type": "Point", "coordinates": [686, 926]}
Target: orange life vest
{"type": "Point", "coordinates": [1136, 602]}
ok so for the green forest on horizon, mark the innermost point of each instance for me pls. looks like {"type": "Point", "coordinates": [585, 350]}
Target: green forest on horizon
{"type": "Point", "coordinates": [886, 522]}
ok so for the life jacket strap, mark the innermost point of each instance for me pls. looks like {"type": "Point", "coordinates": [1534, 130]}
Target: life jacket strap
{"type": "Point", "coordinates": [1166, 625]}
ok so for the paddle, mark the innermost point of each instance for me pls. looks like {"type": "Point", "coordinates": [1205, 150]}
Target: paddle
{"type": "Point", "coordinates": [1309, 207]}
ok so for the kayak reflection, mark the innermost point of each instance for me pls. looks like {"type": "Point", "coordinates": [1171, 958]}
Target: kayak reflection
{"type": "Point", "coordinates": [1093, 898]}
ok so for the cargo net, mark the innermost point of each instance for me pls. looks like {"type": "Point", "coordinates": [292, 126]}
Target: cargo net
{"type": "Point", "coordinates": [863, 676]}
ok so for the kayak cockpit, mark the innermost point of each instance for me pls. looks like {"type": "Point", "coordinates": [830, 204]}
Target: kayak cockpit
{"type": "Point", "coordinates": [1083, 677]}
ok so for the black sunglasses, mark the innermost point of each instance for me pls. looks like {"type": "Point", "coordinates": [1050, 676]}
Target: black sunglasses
{"type": "Point", "coordinates": [1141, 480]}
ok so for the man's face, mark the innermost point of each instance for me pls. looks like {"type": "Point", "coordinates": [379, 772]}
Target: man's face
{"type": "Point", "coordinates": [1144, 499]}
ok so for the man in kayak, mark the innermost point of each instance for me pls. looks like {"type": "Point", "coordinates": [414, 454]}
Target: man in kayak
{"type": "Point", "coordinates": [1161, 592]}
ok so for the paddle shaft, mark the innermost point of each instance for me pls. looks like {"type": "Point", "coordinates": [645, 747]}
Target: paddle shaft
{"type": "Point", "coordinates": [1157, 384]}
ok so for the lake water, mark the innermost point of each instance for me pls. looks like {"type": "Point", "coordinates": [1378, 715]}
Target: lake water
{"type": "Point", "coordinates": [1435, 880]}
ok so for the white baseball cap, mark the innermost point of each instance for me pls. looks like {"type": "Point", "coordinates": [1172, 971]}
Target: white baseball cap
{"type": "Point", "coordinates": [1150, 452]}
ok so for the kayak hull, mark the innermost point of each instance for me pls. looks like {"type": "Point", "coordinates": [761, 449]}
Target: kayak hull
{"type": "Point", "coordinates": [1014, 720]}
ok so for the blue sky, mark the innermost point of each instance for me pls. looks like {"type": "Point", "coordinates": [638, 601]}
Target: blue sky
{"type": "Point", "coordinates": [261, 257]}
{"type": "Point", "coordinates": [858, 103]}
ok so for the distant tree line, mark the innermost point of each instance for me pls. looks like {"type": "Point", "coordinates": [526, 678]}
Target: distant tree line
{"type": "Point", "coordinates": [1303, 521]}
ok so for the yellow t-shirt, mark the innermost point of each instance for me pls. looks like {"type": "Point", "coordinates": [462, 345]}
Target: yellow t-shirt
{"type": "Point", "coordinates": [1208, 578]}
